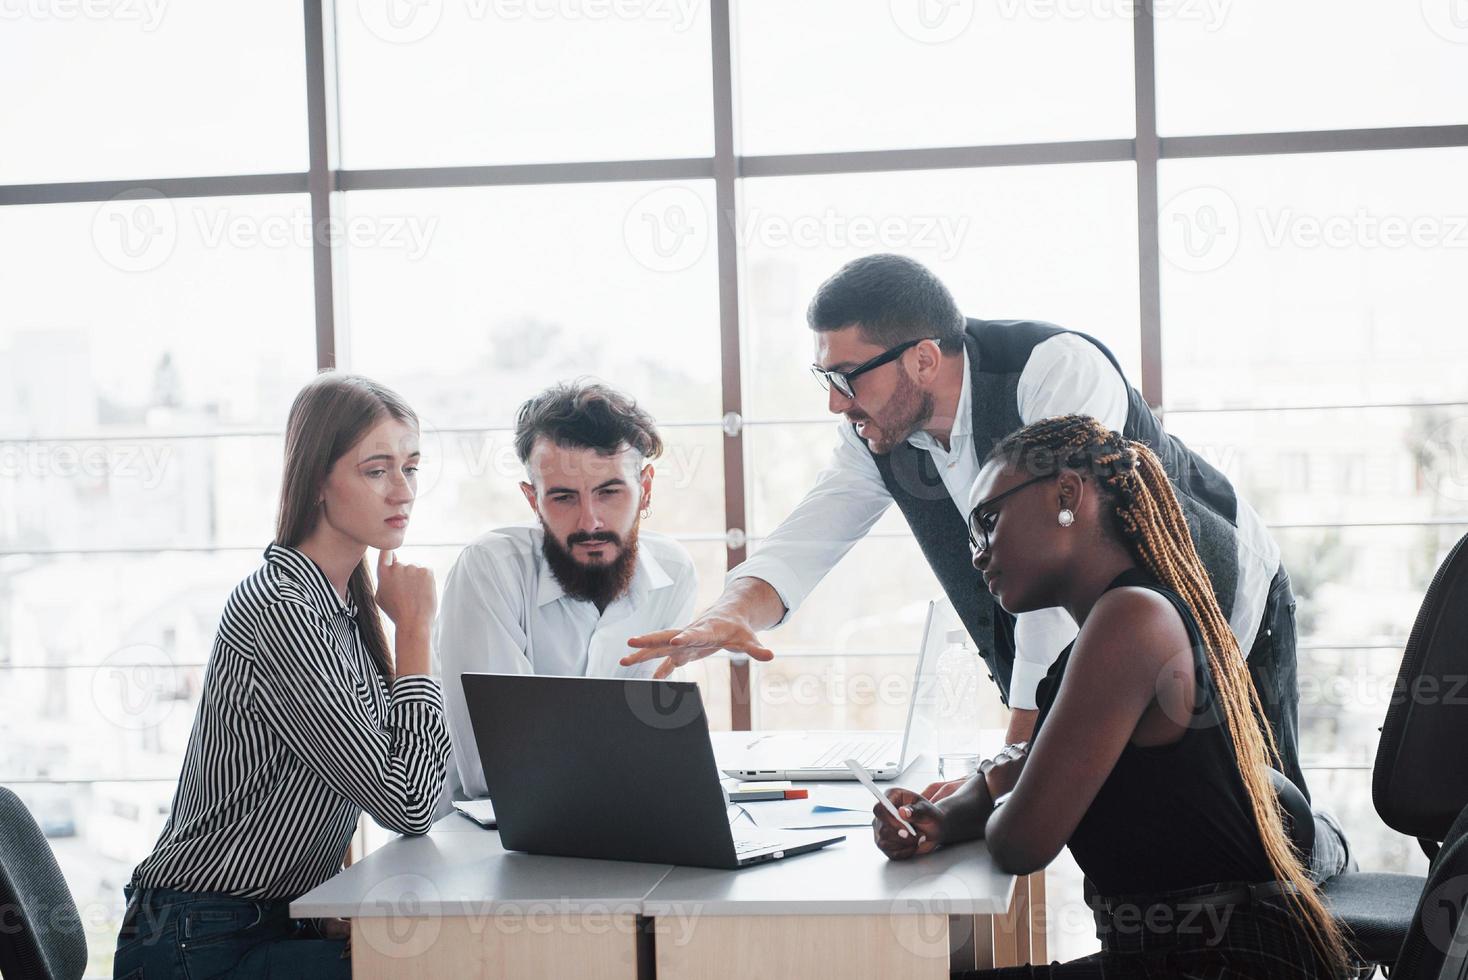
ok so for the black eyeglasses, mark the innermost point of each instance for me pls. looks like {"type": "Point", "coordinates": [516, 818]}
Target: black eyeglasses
{"type": "Point", "coordinates": [982, 518]}
{"type": "Point", "coordinates": [841, 380]}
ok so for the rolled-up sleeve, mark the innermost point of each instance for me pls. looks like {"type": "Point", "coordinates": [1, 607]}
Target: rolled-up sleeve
{"type": "Point", "coordinates": [306, 694]}
{"type": "Point", "coordinates": [1065, 375]}
{"type": "Point", "coordinates": [1039, 636]}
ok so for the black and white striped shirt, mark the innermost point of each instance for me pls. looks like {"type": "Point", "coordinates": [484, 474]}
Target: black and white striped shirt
{"type": "Point", "coordinates": [295, 736]}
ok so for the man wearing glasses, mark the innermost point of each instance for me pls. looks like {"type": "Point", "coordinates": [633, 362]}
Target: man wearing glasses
{"type": "Point", "coordinates": [926, 394]}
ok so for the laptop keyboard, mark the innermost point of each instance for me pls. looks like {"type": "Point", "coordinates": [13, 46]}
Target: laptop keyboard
{"type": "Point", "coordinates": [751, 844]}
{"type": "Point", "coordinates": [869, 754]}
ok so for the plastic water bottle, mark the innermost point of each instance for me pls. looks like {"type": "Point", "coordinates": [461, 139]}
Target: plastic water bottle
{"type": "Point", "coordinates": [958, 716]}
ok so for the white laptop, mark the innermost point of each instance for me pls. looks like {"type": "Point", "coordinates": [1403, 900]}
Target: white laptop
{"type": "Point", "coordinates": [798, 755]}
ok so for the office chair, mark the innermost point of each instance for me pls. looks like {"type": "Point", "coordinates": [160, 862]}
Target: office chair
{"type": "Point", "coordinates": [41, 935]}
{"type": "Point", "coordinates": [1420, 778]}
{"type": "Point", "coordinates": [1437, 943]}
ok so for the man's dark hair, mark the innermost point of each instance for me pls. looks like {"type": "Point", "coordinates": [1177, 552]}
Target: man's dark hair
{"type": "Point", "coordinates": [892, 299]}
{"type": "Point", "coordinates": [586, 415]}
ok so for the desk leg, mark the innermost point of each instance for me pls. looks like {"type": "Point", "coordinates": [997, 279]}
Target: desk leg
{"type": "Point", "coordinates": [1015, 938]}
{"type": "Point", "coordinates": [1039, 948]}
{"type": "Point", "coordinates": [774, 947]}
{"type": "Point", "coordinates": [492, 947]}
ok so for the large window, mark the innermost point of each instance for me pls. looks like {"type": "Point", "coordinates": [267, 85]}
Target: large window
{"type": "Point", "coordinates": [825, 75]}
{"type": "Point", "coordinates": [1258, 209]}
{"type": "Point", "coordinates": [149, 348]}
{"type": "Point", "coordinates": [114, 90]}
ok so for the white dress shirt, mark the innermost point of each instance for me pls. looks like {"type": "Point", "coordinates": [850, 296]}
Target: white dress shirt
{"type": "Point", "coordinates": [503, 611]}
{"type": "Point", "coordinates": [1065, 375]}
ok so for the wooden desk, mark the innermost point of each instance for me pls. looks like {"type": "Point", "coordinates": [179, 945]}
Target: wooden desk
{"type": "Point", "coordinates": [845, 911]}
{"type": "Point", "coordinates": [455, 903]}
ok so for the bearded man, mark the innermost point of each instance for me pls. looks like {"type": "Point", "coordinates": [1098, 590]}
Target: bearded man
{"type": "Point", "coordinates": [562, 596]}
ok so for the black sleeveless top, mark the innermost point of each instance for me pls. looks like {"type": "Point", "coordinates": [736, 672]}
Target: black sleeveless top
{"type": "Point", "coordinates": [1168, 816]}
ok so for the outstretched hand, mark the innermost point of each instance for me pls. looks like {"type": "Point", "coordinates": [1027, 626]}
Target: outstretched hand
{"type": "Point", "coordinates": [706, 635]}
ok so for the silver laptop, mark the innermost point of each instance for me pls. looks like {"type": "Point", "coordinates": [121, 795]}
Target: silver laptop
{"type": "Point", "coordinates": [810, 755]}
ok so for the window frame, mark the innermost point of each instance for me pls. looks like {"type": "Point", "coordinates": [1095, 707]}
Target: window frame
{"type": "Point", "coordinates": [325, 181]}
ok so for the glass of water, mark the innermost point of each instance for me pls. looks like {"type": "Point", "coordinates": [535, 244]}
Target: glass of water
{"type": "Point", "coordinates": [957, 765]}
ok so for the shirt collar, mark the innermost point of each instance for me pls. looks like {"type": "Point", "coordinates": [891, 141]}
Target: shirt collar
{"type": "Point", "coordinates": [962, 417]}
{"type": "Point", "coordinates": [646, 577]}
{"type": "Point", "coordinates": [306, 573]}
{"type": "Point", "coordinates": [548, 587]}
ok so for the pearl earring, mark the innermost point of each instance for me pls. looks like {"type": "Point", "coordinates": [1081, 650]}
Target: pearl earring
{"type": "Point", "coordinates": [1067, 517]}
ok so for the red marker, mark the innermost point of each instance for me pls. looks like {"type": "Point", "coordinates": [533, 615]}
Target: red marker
{"type": "Point", "coordinates": [759, 795]}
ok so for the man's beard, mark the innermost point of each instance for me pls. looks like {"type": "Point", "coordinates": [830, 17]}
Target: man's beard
{"type": "Point", "coordinates": [600, 584]}
{"type": "Point", "coordinates": [906, 411]}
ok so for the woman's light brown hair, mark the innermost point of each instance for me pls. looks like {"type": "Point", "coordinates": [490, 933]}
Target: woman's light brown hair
{"type": "Point", "coordinates": [330, 415]}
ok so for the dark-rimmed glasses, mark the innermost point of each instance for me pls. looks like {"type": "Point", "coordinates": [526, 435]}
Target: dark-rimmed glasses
{"type": "Point", "coordinates": [842, 380]}
{"type": "Point", "coordinates": [982, 518]}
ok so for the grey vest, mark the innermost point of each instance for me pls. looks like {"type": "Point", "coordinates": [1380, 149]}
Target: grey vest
{"type": "Point", "coordinates": [997, 353]}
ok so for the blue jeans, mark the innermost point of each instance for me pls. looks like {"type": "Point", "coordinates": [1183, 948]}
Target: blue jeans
{"type": "Point", "coordinates": [193, 935]}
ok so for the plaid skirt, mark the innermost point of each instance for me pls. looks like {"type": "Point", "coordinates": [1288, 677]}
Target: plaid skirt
{"type": "Point", "coordinates": [1183, 935]}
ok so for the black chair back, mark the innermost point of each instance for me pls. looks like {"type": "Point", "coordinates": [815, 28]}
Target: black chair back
{"type": "Point", "coordinates": [1436, 947]}
{"type": "Point", "coordinates": [41, 935]}
{"type": "Point", "coordinates": [1420, 780]}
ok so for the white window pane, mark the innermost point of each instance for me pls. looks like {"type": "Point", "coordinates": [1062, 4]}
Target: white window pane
{"type": "Point", "coordinates": [781, 464]}
{"type": "Point", "coordinates": [134, 492]}
{"type": "Point", "coordinates": [1055, 243]}
{"type": "Point", "coordinates": [129, 716]}
{"type": "Point", "coordinates": [1383, 465]}
{"type": "Point", "coordinates": [149, 314]}
{"type": "Point", "coordinates": [1346, 793]}
{"type": "Point", "coordinates": [68, 609]}
{"type": "Point", "coordinates": [826, 75]}
{"type": "Point", "coordinates": [1360, 585]}
{"type": "Point", "coordinates": [151, 89]}
{"type": "Point", "coordinates": [858, 609]}
{"type": "Point", "coordinates": [505, 291]}
{"type": "Point", "coordinates": [1344, 697]}
{"type": "Point", "coordinates": [1252, 66]}
{"type": "Point", "coordinates": [835, 692]}
{"type": "Point", "coordinates": [523, 81]}
{"type": "Point", "coordinates": [1323, 279]}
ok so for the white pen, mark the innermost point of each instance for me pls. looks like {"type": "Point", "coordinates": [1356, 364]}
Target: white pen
{"type": "Point", "coordinates": [866, 780]}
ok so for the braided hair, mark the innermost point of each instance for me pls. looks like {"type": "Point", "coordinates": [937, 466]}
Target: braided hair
{"type": "Point", "coordinates": [1138, 496]}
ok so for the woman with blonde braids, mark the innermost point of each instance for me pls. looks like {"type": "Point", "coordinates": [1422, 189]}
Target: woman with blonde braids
{"type": "Point", "coordinates": [1149, 760]}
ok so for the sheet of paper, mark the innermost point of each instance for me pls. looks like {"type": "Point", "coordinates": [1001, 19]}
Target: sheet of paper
{"type": "Point", "coordinates": [480, 811]}
{"type": "Point", "coordinates": [842, 798]}
{"type": "Point", "coordinates": [802, 815]}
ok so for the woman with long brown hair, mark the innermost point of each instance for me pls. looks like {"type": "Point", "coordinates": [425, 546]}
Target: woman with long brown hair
{"type": "Point", "coordinates": [1150, 760]}
{"type": "Point", "coordinates": [307, 716]}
